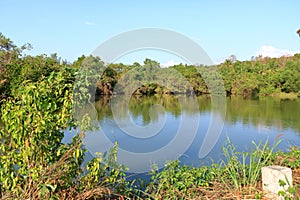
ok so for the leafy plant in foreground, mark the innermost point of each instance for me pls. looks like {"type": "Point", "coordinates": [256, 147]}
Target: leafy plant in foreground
{"type": "Point", "coordinates": [34, 163]}
{"type": "Point", "coordinates": [289, 192]}
{"type": "Point", "coordinates": [176, 181]}
{"type": "Point", "coordinates": [292, 158]}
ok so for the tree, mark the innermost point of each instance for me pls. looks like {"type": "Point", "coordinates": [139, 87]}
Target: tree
{"type": "Point", "coordinates": [8, 52]}
{"type": "Point", "coordinates": [232, 58]}
{"type": "Point", "coordinates": [12, 66]}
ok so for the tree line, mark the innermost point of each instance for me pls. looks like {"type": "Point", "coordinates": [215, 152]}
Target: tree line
{"type": "Point", "coordinates": [261, 76]}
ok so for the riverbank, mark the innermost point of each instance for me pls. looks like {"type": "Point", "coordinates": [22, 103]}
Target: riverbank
{"type": "Point", "coordinates": [283, 95]}
{"type": "Point", "coordinates": [238, 176]}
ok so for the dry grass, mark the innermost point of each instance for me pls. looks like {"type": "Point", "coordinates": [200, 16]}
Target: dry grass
{"type": "Point", "coordinates": [220, 191]}
{"type": "Point", "coordinates": [283, 95]}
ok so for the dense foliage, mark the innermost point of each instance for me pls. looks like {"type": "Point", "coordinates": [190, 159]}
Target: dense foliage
{"type": "Point", "coordinates": [36, 110]}
{"type": "Point", "coordinates": [262, 76]}
{"type": "Point", "coordinates": [258, 77]}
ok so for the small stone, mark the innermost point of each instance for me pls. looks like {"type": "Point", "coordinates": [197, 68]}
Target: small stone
{"type": "Point", "coordinates": [270, 180]}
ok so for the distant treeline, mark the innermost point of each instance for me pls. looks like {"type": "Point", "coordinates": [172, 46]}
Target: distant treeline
{"type": "Point", "coordinates": [258, 77]}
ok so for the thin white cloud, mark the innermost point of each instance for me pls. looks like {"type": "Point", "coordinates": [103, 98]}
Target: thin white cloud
{"type": "Point", "coordinates": [273, 52]}
{"type": "Point", "coordinates": [88, 23]}
{"type": "Point", "coordinates": [169, 63]}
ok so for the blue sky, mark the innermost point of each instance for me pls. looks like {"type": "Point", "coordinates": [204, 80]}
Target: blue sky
{"type": "Point", "coordinates": [221, 28]}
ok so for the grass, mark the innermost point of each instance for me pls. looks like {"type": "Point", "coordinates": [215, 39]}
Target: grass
{"type": "Point", "coordinates": [243, 168]}
{"type": "Point", "coordinates": [238, 176]}
{"type": "Point", "coordinates": [283, 95]}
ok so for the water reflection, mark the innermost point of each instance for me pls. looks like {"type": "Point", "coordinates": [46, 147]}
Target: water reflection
{"type": "Point", "coordinates": [263, 113]}
{"type": "Point", "coordinates": [139, 106]}
{"type": "Point", "coordinates": [245, 121]}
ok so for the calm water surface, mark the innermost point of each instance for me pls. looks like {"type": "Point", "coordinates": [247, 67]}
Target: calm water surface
{"type": "Point", "coordinates": [159, 118]}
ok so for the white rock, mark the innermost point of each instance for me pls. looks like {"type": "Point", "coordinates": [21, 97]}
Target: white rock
{"type": "Point", "coordinates": [270, 180]}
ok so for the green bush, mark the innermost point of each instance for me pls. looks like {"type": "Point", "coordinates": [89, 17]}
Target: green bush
{"type": "Point", "coordinates": [34, 163]}
{"type": "Point", "coordinates": [176, 181]}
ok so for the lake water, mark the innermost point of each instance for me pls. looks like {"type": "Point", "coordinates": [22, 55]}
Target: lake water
{"type": "Point", "coordinates": [160, 128]}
